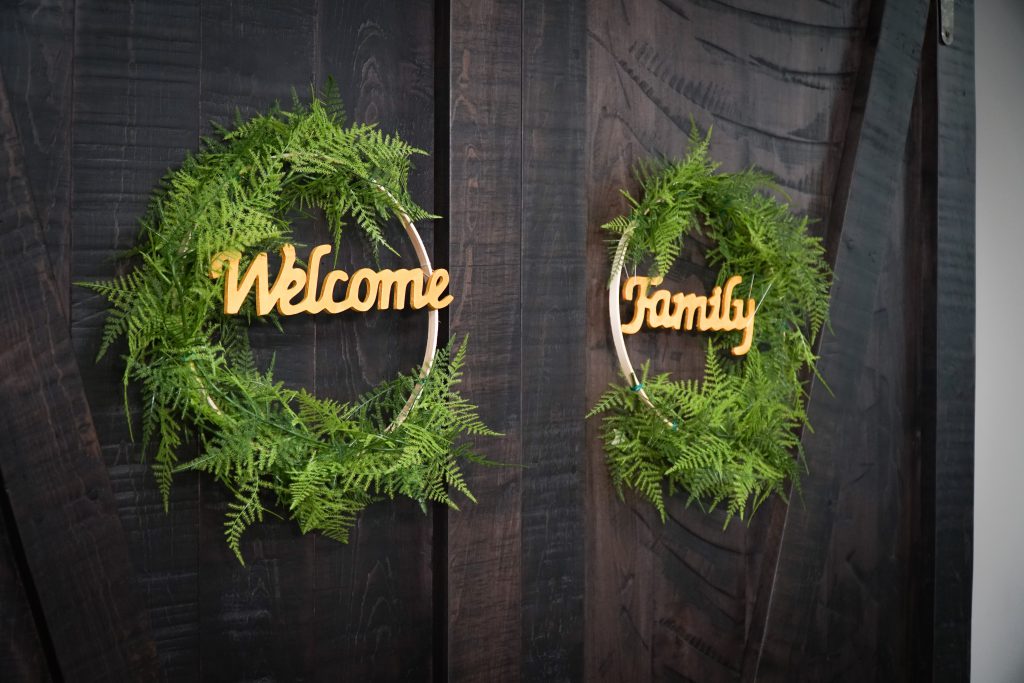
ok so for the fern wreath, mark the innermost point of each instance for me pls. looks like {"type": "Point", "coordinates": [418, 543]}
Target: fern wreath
{"type": "Point", "coordinates": [733, 439]}
{"type": "Point", "coordinates": [321, 461]}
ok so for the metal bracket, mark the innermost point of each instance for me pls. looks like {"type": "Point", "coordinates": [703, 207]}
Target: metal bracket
{"type": "Point", "coordinates": [946, 21]}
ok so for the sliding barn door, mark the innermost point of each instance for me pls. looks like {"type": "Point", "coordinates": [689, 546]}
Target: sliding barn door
{"type": "Point", "coordinates": [534, 112]}
{"type": "Point", "coordinates": [844, 104]}
{"type": "Point", "coordinates": [105, 97]}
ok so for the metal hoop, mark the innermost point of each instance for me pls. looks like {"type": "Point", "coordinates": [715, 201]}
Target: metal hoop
{"type": "Point", "coordinates": [433, 318]}
{"type": "Point", "coordinates": [620, 342]}
{"type": "Point", "coordinates": [625, 365]}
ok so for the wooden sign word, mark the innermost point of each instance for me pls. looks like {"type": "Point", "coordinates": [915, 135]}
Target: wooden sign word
{"type": "Point", "coordinates": [295, 290]}
{"type": "Point", "coordinates": [663, 309]}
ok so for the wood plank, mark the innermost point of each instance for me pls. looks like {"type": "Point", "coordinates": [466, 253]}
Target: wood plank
{"type": "Point", "coordinates": [864, 622]}
{"type": "Point", "coordinates": [59, 492]}
{"type": "Point", "coordinates": [552, 337]}
{"type": "Point", "coordinates": [373, 596]}
{"type": "Point", "coordinates": [36, 51]}
{"type": "Point", "coordinates": [22, 653]}
{"type": "Point", "coordinates": [256, 621]}
{"type": "Point", "coordinates": [680, 600]}
{"type": "Point", "coordinates": [485, 219]}
{"type": "Point", "coordinates": [954, 435]}
{"type": "Point", "coordinates": [830, 560]}
{"type": "Point", "coordinates": [917, 462]}
{"type": "Point", "coordinates": [36, 48]}
{"type": "Point", "coordinates": [136, 104]}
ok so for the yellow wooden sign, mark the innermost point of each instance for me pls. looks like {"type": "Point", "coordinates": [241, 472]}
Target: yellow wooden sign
{"type": "Point", "coordinates": [294, 290]}
{"type": "Point", "coordinates": [663, 309]}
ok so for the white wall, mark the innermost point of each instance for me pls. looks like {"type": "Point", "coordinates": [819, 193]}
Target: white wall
{"type": "Point", "coordinates": [997, 647]}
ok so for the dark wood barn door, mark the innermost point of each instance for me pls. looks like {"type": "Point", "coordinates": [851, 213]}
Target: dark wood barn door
{"type": "Point", "coordinates": [534, 112]}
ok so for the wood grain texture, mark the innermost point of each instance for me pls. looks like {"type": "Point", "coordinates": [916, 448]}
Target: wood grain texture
{"type": "Point", "coordinates": [917, 462]}
{"type": "Point", "coordinates": [36, 52]}
{"type": "Point", "coordinates": [135, 116]}
{"type": "Point", "coordinates": [59, 493]}
{"type": "Point", "coordinates": [954, 436]}
{"type": "Point", "coordinates": [22, 655]}
{"type": "Point", "coordinates": [256, 621]}
{"type": "Point", "coordinates": [35, 59]}
{"type": "Point", "coordinates": [553, 328]}
{"type": "Point", "coordinates": [843, 571]}
{"type": "Point", "coordinates": [373, 597]}
{"type": "Point", "coordinates": [682, 600]}
{"type": "Point", "coordinates": [866, 577]}
{"type": "Point", "coordinates": [485, 218]}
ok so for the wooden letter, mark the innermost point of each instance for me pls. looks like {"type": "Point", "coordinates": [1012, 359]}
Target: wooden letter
{"type": "Point", "coordinates": [327, 301]}
{"type": "Point", "coordinates": [683, 311]}
{"type": "Point", "coordinates": [709, 320]}
{"type": "Point", "coordinates": [235, 292]}
{"type": "Point", "coordinates": [436, 285]}
{"type": "Point", "coordinates": [365, 288]}
{"type": "Point", "coordinates": [639, 284]}
{"type": "Point", "coordinates": [687, 305]}
{"type": "Point", "coordinates": [289, 283]}
{"type": "Point", "coordinates": [746, 323]}
{"type": "Point", "coordinates": [395, 285]}
{"type": "Point", "coordinates": [353, 299]}
{"type": "Point", "coordinates": [658, 309]}
{"type": "Point", "coordinates": [310, 302]}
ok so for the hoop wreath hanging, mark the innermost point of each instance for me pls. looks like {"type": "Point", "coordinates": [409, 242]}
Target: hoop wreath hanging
{"type": "Point", "coordinates": [321, 461]}
{"type": "Point", "coordinates": [733, 439]}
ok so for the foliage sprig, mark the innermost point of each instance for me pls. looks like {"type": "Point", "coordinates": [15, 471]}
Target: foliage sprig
{"type": "Point", "coordinates": [731, 440]}
{"type": "Point", "coordinates": [322, 461]}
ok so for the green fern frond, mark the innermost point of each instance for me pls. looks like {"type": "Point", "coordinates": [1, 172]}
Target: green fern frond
{"type": "Point", "coordinates": [731, 440]}
{"type": "Point", "coordinates": [323, 460]}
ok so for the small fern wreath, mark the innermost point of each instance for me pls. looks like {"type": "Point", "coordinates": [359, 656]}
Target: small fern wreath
{"type": "Point", "coordinates": [321, 460]}
{"type": "Point", "coordinates": [732, 439]}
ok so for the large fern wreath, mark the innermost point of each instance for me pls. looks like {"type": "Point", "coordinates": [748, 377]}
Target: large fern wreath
{"type": "Point", "coordinates": [732, 439]}
{"type": "Point", "coordinates": [321, 461]}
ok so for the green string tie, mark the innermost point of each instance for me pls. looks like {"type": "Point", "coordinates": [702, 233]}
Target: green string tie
{"type": "Point", "coordinates": [638, 387]}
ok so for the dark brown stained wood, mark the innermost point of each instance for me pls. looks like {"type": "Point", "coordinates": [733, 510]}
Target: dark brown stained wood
{"type": "Point", "coordinates": [35, 58]}
{"type": "Point", "coordinates": [373, 601]}
{"type": "Point", "coordinates": [57, 486]}
{"type": "Point", "coordinates": [36, 51]}
{"type": "Point", "coordinates": [680, 600]}
{"type": "Point", "coordinates": [441, 175]}
{"type": "Point", "coordinates": [22, 657]}
{"type": "Point", "coordinates": [837, 583]}
{"type": "Point", "coordinates": [553, 329]}
{"type": "Point", "coordinates": [256, 621]}
{"type": "Point", "coordinates": [954, 414]}
{"type": "Point", "coordinates": [917, 462]}
{"type": "Point", "coordinates": [485, 242]}
{"type": "Point", "coordinates": [868, 577]}
{"type": "Point", "coordinates": [863, 621]}
{"type": "Point", "coordinates": [135, 116]}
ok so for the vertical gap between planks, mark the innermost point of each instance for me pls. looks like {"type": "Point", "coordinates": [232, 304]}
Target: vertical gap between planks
{"type": "Point", "coordinates": [442, 141]}
{"type": "Point", "coordinates": [29, 586]}
{"type": "Point", "coordinates": [522, 306]}
{"type": "Point", "coordinates": [195, 432]}
{"type": "Point", "coordinates": [926, 499]}
{"type": "Point", "coordinates": [318, 82]}
{"type": "Point", "coordinates": [69, 157]}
